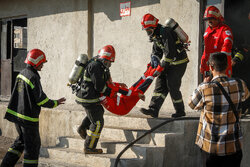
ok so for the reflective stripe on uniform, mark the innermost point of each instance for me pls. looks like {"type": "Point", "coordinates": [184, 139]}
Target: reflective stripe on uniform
{"type": "Point", "coordinates": [178, 41]}
{"type": "Point", "coordinates": [43, 102]}
{"type": "Point", "coordinates": [14, 152]}
{"type": "Point", "coordinates": [94, 135]}
{"type": "Point", "coordinates": [129, 92]}
{"type": "Point", "coordinates": [87, 100]}
{"type": "Point", "coordinates": [228, 38]}
{"type": "Point", "coordinates": [104, 89]}
{"type": "Point", "coordinates": [168, 60]}
{"type": "Point", "coordinates": [86, 78]}
{"type": "Point", "coordinates": [22, 116]}
{"type": "Point", "coordinates": [28, 161]}
{"type": "Point", "coordinates": [150, 77]}
{"type": "Point", "coordinates": [179, 62]}
{"type": "Point", "coordinates": [176, 62]}
{"type": "Point", "coordinates": [239, 55]}
{"type": "Point", "coordinates": [102, 98]}
{"type": "Point", "coordinates": [177, 101]}
{"type": "Point", "coordinates": [118, 100]}
{"type": "Point", "coordinates": [26, 80]}
{"type": "Point", "coordinates": [159, 95]}
{"type": "Point", "coordinates": [56, 104]}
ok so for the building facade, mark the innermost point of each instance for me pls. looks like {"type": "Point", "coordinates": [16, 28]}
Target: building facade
{"type": "Point", "coordinates": [65, 29]}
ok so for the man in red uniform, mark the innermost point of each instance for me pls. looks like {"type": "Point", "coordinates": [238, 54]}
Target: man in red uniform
{"type": "Point", "coordinates": [217, 38]}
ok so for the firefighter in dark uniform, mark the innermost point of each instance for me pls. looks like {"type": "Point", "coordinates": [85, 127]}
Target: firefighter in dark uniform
{"type": "Point", "coordinates": [241, 46]}
{"type": "Point", "coordinates": [241, 69]}
{"type": "Point", "coordinates": [174, 63]}
{"type": "Point", "coordinates": [24, 108]}
{"type": "Point", "coordinates": [94, 84]}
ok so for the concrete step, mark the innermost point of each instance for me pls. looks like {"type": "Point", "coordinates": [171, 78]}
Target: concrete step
{"type": "Point", "coordinates": [127, 122]}
{"type": "Point", "coordinates": [76, 157]}
{"type": "Point", "coordinates": [125, 135]}
{"type": "Point", "coordinates": [139, 151]}
{"type": "Point", "coordinates": [47, 162]}
{"type": "Point", "coordinates": [128, 135]}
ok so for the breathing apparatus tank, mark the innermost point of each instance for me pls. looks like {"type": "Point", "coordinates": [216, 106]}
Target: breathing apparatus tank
{"type": "Point", "coordinates": [78, 68]}
{"type": "Point", "coordinates": [179, 31]}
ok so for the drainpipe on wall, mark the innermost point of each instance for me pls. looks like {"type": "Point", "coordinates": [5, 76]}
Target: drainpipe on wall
{"type": "Point", "coordinates": [90, 29]}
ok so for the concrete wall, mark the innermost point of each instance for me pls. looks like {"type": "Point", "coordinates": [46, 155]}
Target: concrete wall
{"type": "Point", "coordinates": [60, 28]}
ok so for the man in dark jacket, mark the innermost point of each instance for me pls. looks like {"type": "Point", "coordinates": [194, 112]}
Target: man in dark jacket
{"type": "Point", "coordinates": [174, 63]}
{"type": "Point", "coordinates": [24, 108]}
{"type": "Point", "coordinates": [95, 81]}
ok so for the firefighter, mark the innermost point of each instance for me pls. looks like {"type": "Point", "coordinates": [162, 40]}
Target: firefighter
{"type": "Point", "coordinates": [165, 41]}
{"type": "Point", "coordinates": [218, 37]}
{"type": "Point", "coordinates": [24, 108]}
{"type": "Point", "coordinates": [94, 84]}
{"type": "Point", "coordinates": [241, 69]}
{"type": "Point", "coordinates": [241, 51]}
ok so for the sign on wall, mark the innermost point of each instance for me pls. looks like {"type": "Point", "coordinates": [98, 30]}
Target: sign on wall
{"type": "Point", "coordinates": [125, 9]}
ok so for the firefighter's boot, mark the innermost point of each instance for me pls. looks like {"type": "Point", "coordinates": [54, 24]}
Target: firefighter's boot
{"type": "Point", "coordinates": [150, 112]}
{"type": "Point", "coordinates": [179, 108]}
{"type": "Point", "coordinates": [178, 114]}
{"type": "Point", "coordinates": [82, 132]}
{"type": "Point", "coordinates": [93, 151]}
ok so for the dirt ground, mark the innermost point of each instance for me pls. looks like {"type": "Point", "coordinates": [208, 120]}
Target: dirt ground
{"type": "Point", "coordinates": [5, 143]}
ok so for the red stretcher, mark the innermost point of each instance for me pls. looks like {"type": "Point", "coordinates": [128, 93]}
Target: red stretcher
{"type": "Point", "coordinates": [122, 104]}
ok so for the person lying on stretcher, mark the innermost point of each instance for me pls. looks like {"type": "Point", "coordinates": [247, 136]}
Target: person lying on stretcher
{"type": "Point", "coordinates": [122, 104]}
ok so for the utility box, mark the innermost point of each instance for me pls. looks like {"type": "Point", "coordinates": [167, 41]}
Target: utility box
{"type": "Point", "coordinates": [20, 37]}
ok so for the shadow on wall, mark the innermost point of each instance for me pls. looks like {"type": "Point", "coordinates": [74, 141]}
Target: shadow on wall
{"type": "Point", "coordinates": [114, 14]}
{"type": "Point", "coordinates": [49, 7]}
{"type": "Point", "coordinates": [0, 132]}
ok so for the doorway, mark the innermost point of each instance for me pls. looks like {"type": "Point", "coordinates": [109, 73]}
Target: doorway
{"type": "Point", "coordinates": [13, 52]}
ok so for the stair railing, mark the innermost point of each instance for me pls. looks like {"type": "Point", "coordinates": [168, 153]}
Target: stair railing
{"type": "Point", "coordinates": [148, 132]}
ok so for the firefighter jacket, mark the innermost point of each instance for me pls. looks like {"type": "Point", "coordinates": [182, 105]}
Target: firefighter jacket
{"type": "Point", "coordinates": [94, 83]}
{"type": "Point", "coordinates": [218, 39]}
{"type": "Point", "coordinates": [166, 41]}
{"type": "Point", "coordinates": [27, 99]}
{"type": "Point", "coordinates": [241, 68]}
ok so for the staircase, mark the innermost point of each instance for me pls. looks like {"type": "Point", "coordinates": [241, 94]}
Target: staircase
{"type": "Point", "coordinates": [154, 150]}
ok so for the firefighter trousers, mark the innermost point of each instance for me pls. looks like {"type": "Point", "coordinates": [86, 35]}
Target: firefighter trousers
{"type": "Point", "coordinates": [94, 122]}
{"type": "Point", "coordinates": [169, 82]}
{"type": "Point", "coordinates": [28, 142]}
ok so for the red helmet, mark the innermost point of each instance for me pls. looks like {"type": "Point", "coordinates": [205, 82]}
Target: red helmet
{"type": "Point", "coordinates": [35, 57]}
{"type": "Point", "coordinates": [107, 52]}
{"type": "Point", "coordinates": [148, 21]}
{"type": "Point", "coordinates": [212, 12]}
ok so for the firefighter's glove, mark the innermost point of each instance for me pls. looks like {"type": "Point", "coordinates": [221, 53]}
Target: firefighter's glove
{"type": "Point", "coordinates": [155, 61]}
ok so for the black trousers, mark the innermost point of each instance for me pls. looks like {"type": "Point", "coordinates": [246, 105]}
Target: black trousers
{"type": "Point", "coordinates": [232, 160]}
{"type": "Point", "coordinates": [28, 142]}
{"type": "Point", "coordinates": [94, 122]}
{"type": "Point", "coordinates": [169, 82]}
